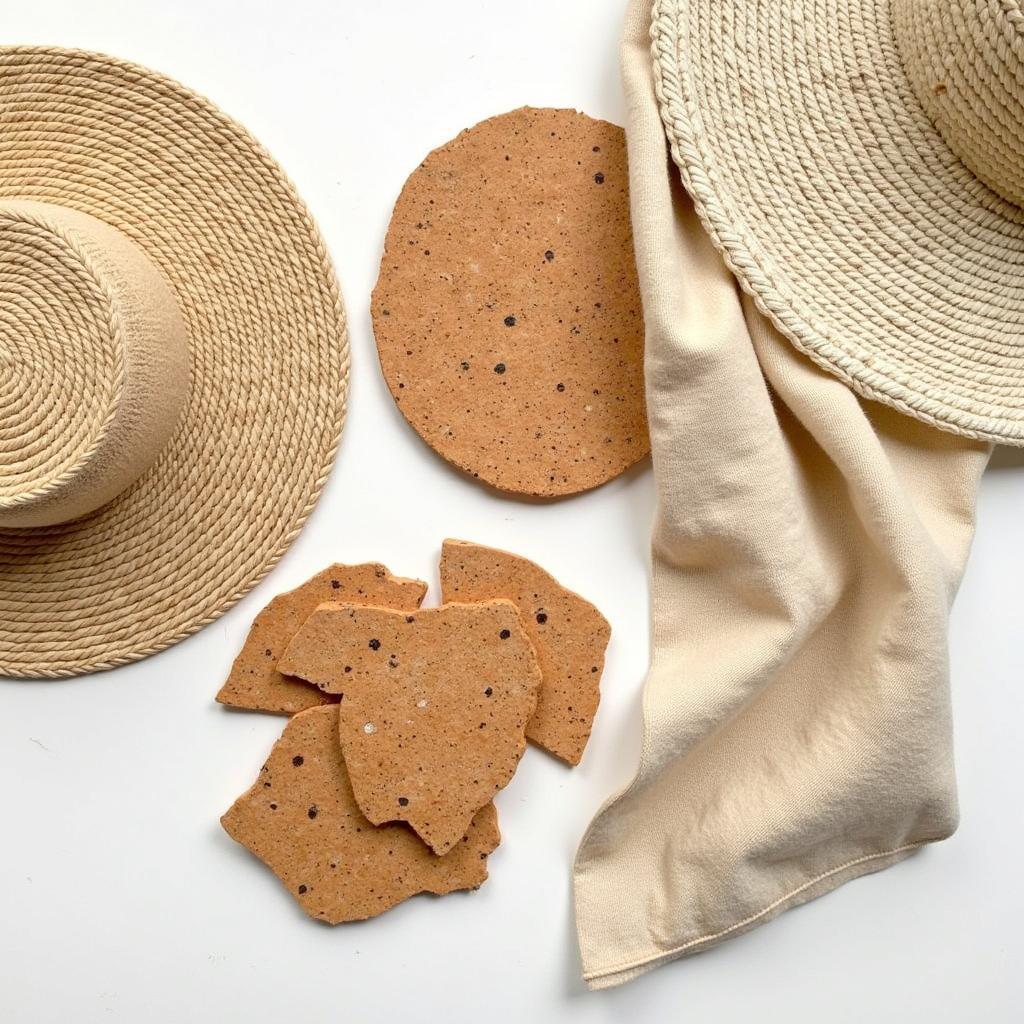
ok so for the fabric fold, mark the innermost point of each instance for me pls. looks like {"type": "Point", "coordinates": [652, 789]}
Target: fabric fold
{"type": "Point", "coordinates": [807, 547]}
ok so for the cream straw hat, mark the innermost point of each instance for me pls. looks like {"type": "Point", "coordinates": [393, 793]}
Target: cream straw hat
{"type": "Point", "coordinates": [860, 163]}
{"type": "Point", "coordinates": [173, 362]}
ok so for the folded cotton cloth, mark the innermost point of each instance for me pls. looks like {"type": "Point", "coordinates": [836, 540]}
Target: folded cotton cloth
{"type": "Point", "coordinates": [807, 547]}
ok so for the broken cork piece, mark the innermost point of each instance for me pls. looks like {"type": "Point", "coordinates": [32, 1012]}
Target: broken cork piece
{"type": "Point", "coordinates": [301, 819]}
{"type": "Point", "coordinates": [569, 634]}
{"type": "Point", "coordinates": [433, 709]}
{"type": "Point", "coordinates": [255, 682]}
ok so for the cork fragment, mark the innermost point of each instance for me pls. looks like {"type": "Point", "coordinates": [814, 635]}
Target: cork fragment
{"type": "Point", "coordinates": [433, 708]}
{"type": "Point", "coordinates": [255, 683]}
{"type": "Point", "coordinates": [568, 633]}
{"type": "Point", "coordinates": [301, 819]}
{"type": "Point", "coordinates": [507, 311]}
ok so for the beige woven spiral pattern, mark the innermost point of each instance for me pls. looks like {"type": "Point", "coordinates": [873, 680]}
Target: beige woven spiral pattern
{"type": "Point", "coordinates": [61, 357]}
{"type": "Point", "coordinates": [267, 347]}
{"type": "Point", "coordinates": [98, 353]}
{"type": "Point", "coordinates": [966, 64]}
{"type": "Point", "coordinates": [841, 207]}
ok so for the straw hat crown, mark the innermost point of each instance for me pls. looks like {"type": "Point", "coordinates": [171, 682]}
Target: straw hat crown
{"type": "Point", "coordinates": [99, 354]}
{"type": "Point", "coordinates": [965, 61]}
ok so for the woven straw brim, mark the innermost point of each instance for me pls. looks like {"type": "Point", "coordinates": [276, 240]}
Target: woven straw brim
{"type": "Point", "coordinates": [268, 350]}
{"type": "Point", "coordinates": [840, 208]}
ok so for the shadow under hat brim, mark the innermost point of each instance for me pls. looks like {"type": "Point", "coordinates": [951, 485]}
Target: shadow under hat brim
{"type": "Point", "coordinates": [840, 208]}
{"type": "Point", "coordinates": [268, 353]}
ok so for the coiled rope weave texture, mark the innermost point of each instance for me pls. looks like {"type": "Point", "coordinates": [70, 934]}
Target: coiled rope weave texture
{"type": "Point", "coordinates": [838, 203]}
{"type": "Point", "coordinates": [267, 343]}
{"type": "Point", "coordinates": [57, 318]}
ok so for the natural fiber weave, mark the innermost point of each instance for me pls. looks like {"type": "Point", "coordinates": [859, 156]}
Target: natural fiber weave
{"type": "Point", "coordinates": [94, 320]}
{"type": "Point", "coordinates": [267, 347]}
{"type": "Point", "coordinates": [820, 139]}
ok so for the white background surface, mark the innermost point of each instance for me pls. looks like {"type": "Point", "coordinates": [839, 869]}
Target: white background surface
{"type": "Point", "coordinates": [120, 897]}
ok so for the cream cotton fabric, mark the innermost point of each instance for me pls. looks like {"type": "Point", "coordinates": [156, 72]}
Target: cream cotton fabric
{"type": "Point", "coordinates": [807, 547]}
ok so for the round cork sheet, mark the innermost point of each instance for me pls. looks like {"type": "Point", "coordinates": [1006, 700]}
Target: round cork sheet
{"type": "Point", "coordinates": [507, 312]}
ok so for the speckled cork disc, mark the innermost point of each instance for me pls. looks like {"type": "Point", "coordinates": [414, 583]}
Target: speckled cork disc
{"type": "Point", "coordinates": [301, 819]}
{"type": "Point", "coordinates": [433, 709]}
{"type": "Point", "coordinates": [255, 682]}
{"type": "Point", "coordinates": [507, 312]}
{"type": "Point", "coordinates": [568, 633]}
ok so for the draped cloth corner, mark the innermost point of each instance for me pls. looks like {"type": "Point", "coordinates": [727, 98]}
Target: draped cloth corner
{"type": "Point", "coordinates": [807, 547]}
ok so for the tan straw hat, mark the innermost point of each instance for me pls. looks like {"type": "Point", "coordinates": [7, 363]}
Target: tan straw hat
{"type": "Point", "coordinates": [173, 362]}
{"type": "Point", "coordinates": [860, 163]}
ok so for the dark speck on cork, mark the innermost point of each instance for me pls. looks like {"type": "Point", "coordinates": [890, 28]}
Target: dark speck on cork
{"type": "Point", "coordinates": [499, 368]}
{"type": "Point", "coordinates": [464, 364]}
{"type": "Point", "coordinates": [549, 255]}
{"type": "Point", "coordinates": [268, 653]}
{"type": "Point", "coordinates": [593, 668]}
{"type": "Point", "coordinates": [410, 618]}
{"type": "Point", "coordinates": [403, 801]}
{"type": "Point", "coordinates": [599, 178]}
{"type": "Point", "coordinates": [273, 807]}
{"type": "Point", "coordinates": [335, 584]}
{"type": "Point", "coordinates": [297, 760]}
{"type": "Point", "coordinates": [542, 617]}
{"type": "Point", "coordinates": [510, 321]}
{"type": "Point", "coordinates": [312, 812]}
{"type": "Point", "coordinates": [302, 890]}
{"type": "Point", "coordinates": [505, 634]}
{"type": "Point", "coordinates": [488, 691]}
{"type": "Point", "coordinates": [559, 387]}
{"type": "Point", "coordinates": [597, 149]}
{"type": "Point", "coordinates": [374, 644]}
{"type": "Point", "coordinates": [348, 668]}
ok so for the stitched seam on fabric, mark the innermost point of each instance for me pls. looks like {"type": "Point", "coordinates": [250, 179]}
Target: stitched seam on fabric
{"type": "Point", "coordinates": [629, 965]}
